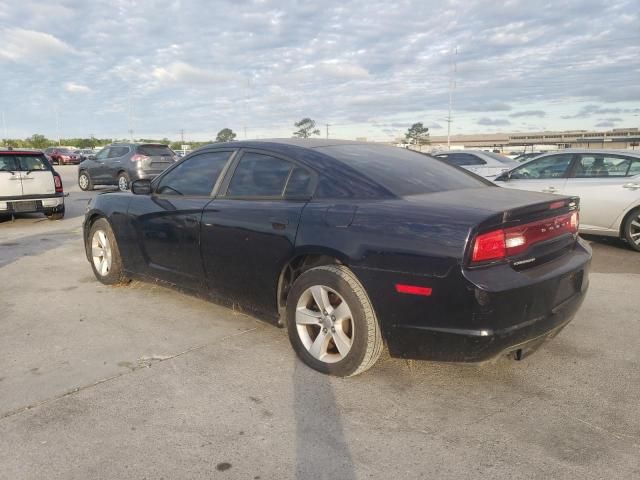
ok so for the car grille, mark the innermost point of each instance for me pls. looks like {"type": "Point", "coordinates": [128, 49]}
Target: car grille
{"type": "Point", "coordinates": [24, 206]}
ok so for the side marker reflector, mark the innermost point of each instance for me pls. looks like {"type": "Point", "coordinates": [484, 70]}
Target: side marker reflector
{"type": "Point", "coordinates": [413, 290]}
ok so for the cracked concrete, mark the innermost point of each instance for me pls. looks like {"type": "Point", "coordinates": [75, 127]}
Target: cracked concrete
{"type": "Point", "coordinates": [146, 382]}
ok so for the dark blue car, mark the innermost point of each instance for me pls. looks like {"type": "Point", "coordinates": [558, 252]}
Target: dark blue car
{"type": "Point", "coordinates": [353, 247]}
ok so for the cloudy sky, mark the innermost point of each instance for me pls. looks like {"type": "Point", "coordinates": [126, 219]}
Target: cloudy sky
{"type": "Point", "coordinates": [368, 68]}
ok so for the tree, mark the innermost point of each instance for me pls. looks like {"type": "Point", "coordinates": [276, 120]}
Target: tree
{"type": "Point", "coordinates": [417, 134]}
{"type": "Point", "coordinates": [225, 135]}
{"type": "Point", "coordinates": [38, 141]}
{"type": "Point", "coordinates": [306, 128]}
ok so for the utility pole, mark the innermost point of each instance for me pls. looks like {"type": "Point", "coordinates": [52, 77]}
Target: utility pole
{"type": "Point", "coordinates": [129, 114]}
{"type": "Point", "coordinates": [452, 85]}
{"type": "Point", "coordinates": [327, 125]}
{"type": "Point", "coordinates": [182, 136]}
{"type": "Point", "coordinates": [58, 125]}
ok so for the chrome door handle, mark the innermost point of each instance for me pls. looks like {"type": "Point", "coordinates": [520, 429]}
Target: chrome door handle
{"type": "Point", "coordinates": [631, 186]}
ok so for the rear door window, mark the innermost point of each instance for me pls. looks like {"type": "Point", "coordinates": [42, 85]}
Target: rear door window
{"type": "Point", "coordinates": [259, 175]}
{"type": "Point", "coordinates": [634, 168]}
{"type": "Point", "coordinates": [594, 165]}
{"type": "Point", "coordinates": [195, 176]}
{"type": "Point", "coordinates": [116, 152]}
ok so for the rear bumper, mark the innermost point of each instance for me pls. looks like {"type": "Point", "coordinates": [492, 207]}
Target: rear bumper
{"type": "Point", "coordinates": [31, 204]}
{"type": "Point", "coordinates": [479, 315]}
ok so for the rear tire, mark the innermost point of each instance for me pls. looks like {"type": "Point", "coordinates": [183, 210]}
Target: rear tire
{"type": "Point", "coordinates": [59, 215]}
{"type": "Point", "coordinates": [631, 229]}
{"type": "Point", "coordinates": [106, 261]}
{"type": "Point", "coordinates": [123, 182]}
{"type": "Point", "coordinates": [338, 334]}
{"type": "Point", "coordinates": [84, 181]}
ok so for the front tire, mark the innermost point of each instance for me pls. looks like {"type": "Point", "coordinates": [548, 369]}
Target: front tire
{"type": "Point", "coordinates": [331, 322]}
{"type": "Point", "coordinates": [106, 261]}
{"type": "Point", "coordinates": [123, 182]}
{"type": "Point", "coordinates": [84, 181]}
{"type": "Point", "coordinates": [631, 229]}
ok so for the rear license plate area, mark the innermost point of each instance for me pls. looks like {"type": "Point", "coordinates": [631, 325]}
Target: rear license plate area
{"type": "Point", "coordinates": [568, 286]}
{"type": "Point", "coordinates": [24, 206]}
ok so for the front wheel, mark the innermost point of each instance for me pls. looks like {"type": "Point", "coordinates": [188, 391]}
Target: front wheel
{"type": "Point", "coordinates": [331, 322]}
{"type": "Point", "coordinates": [123, 182]}
{"type": "Point", "coordinates": [106, 261]}
{"type": "Point", "coordinates": [631, 229]}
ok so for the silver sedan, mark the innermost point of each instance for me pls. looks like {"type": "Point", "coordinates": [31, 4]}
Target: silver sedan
{"type": "Point", "coordinates": [485, 164]}
{"type": "Point", "coordinates": [607, 182]}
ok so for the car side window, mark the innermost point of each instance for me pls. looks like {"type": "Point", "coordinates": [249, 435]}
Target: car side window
{"type": "Point", "coordinates": [115, 152]}
{"type": "Point", "coordinates": [102, 154]}
{"type": "Point", "coordinates": [300, 183]}
{"type": "Point", "coordinates": [594, 165]}
{"type": "Point", "coordinates": [195, 176]}
{"type": "Point", "coordinates": [465, 159]}
{"type": "Point", "coordinates": [634, 168]}
{"type": "Point", "coordinates": [552, 166]}
{"type": "Point", "coordinates": [259, 175]}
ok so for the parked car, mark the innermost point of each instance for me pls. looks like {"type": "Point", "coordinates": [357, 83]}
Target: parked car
{"type": "Point", "coordinates": [351, 245]}
{"type": "Point", "coordinates": [607, 182]}
{"type": "Point", "coordinates": [121, 163]}
{"type": "Point", "coordinates": [62, 156]}
{"type": "Point", "coordinates": [28, 183]}
{"type": "Point", "coordinates": [485, 164]}
{"type": "Point", "coordinates": [84, 153]}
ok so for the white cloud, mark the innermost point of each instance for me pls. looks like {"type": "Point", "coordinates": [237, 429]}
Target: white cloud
{"type": "Point", "coordinates": [20, 45]}
{"type": "Point", "coordinates": [76, 88]}
{"type": "Point", "coordinates": [181, 72]}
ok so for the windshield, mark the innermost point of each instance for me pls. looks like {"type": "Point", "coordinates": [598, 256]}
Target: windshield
{"type": "Point", "coordinates": [402, 171]}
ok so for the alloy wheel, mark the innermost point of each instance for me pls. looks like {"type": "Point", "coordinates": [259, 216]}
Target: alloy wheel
{"type": "Point", "coordinates": [123, 185]}
{"type": "Point", "coordinates": [324, 323]}
{"type": "Point", "coordinates": [101, 252]}
{"type": "Point", "coordinates": [634, 230]}
{"type": "Point", "coordinates": [83, 181]}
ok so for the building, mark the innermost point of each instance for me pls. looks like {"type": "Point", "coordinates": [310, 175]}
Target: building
{"type": "Point", "coordinates": [622, 138]}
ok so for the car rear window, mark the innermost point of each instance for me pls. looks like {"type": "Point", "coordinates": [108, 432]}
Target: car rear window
{"type": "Point", "coordinates": [25, 163]}
{"type": "Point", "coordinates": [402, 171]}
{"type": "Point", "coordinates": [154, 150]}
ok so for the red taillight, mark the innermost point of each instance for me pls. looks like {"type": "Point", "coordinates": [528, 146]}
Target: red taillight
{"type": "Point", "coordinates": [57, 181]}
{"type": "Point", "coordinates": [489, 246]}
{"type": "Point", "coordinates": [139, 158]}
{"type": "Point", "coordinates": [506, 242]}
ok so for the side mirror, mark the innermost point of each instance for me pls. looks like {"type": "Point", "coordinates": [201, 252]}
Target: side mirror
{"type": "Point", "coordinates": [141, 187]}
{"type": "Point", "coordinates": [91, 157]}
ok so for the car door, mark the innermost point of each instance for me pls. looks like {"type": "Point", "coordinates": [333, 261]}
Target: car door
{"type": "Point", "coordinates": [249, 230]}
{"type": "Point", "coordinates": [37, 178]}
{"type": "Point", "coordinates": [167, 222]}
{"type": "Point", "coordinates": [10, 177]}
{"type": "Point", "coordinates": [115, 162]}
{"type": "Point", "coordinates": [602, 181]}
{"type": "Point", "coordinates": [97, 168]}
{"type": "Point", "coordinates": [544, 174]}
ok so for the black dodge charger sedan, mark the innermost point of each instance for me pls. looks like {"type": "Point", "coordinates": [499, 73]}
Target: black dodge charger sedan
{"type": "Point", "coordinates": [352, 246]}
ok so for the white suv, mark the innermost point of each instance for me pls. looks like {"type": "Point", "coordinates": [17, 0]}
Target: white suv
{"type": "Point", "coordinates": [28, 183]}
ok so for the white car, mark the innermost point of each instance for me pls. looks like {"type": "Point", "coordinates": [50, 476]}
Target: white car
{"type": "Point", "coordinates": [28, 183]}
{"type": "Point", "coordinates": [485, 164]}
{"type": "Point", "coordinates": [607, 182]}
